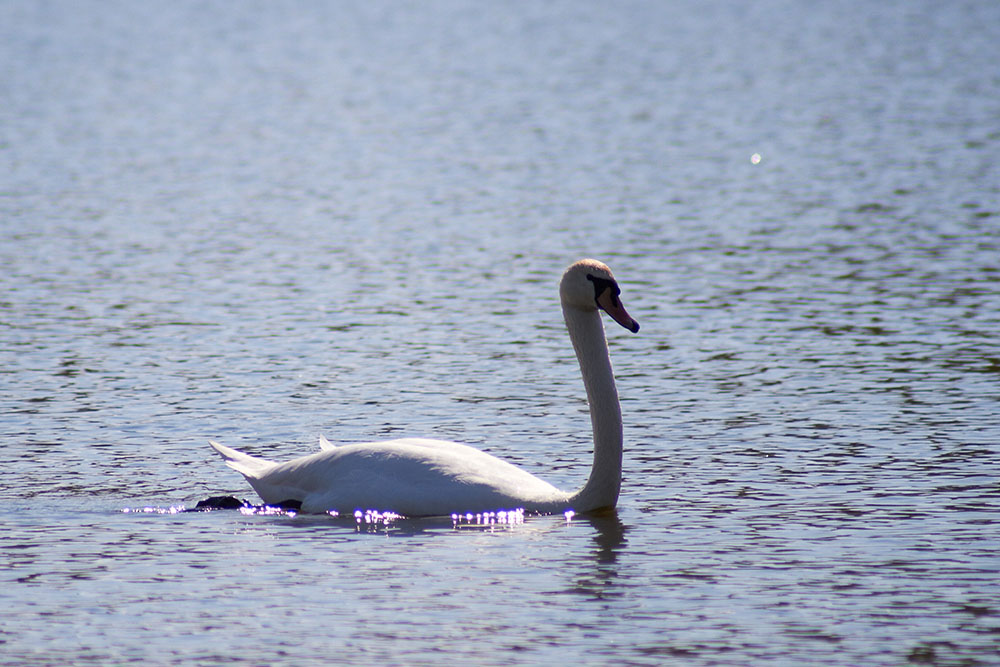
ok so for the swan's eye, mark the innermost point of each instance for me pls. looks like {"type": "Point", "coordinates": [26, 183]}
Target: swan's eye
{"type": "Point", "coordinates": [602, 284]}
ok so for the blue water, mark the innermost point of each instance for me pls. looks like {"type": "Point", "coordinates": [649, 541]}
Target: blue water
{"type": "Point", "coordinates": [264, 222]}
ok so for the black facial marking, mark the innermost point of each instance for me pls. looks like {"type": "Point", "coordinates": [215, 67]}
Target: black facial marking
{"type": "Point", "coordinates": [601, 284]}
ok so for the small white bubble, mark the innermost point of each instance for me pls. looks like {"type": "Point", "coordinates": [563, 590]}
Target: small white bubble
{"type": "Point", "coordinates": [755, 158]}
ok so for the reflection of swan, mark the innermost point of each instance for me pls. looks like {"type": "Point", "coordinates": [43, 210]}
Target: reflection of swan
{"type": "Point", "coordinates": [601, 578]}
{"type": "Point", "coordinates": [609, 536]}
{"type": "Point", "coordinates": [420, 477]}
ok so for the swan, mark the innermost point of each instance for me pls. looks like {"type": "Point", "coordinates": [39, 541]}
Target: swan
{"type": "Point", "coordinates": [423, 477]}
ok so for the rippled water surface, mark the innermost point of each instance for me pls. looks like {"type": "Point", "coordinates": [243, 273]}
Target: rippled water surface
{"type": "Point", "coordinates": [264, 222]}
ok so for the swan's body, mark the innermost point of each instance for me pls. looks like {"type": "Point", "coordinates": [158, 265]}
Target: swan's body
{"type": "Point", "coordinates": [410, 476]}
{"type": "Point", "coordinates": [423, 477]}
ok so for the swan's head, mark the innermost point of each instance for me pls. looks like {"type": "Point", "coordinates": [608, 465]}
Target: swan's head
{"type": "Point", "coordinates": [588, 285]}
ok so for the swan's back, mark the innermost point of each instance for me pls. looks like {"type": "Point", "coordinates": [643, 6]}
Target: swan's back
{"type": "Point", "coordinates": [410, 476]}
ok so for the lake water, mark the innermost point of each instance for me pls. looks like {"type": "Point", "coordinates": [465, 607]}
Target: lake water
{"type": "Point", "coordinates": [266, 221]}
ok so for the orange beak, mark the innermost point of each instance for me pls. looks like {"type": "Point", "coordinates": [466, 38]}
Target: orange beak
{"type": "Point", "coordinates": [612, 305]}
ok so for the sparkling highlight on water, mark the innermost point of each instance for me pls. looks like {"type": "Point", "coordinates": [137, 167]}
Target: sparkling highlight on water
{"type": "Point", "coordinates": [488, 519]}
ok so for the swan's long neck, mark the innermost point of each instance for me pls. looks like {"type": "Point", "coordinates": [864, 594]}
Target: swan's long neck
{"type": "Point", "coordinates": [587, 333]}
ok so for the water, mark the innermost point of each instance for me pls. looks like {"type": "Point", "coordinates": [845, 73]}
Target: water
{"type": "Point", "coordinates": [266, 222]}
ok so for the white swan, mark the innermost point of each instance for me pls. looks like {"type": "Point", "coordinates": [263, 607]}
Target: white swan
{"type": "Point", "coordinates": [421, 477]}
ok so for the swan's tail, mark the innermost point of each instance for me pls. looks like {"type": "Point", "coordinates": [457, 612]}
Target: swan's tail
{"type": "Point", "coordinates": [250, 467]}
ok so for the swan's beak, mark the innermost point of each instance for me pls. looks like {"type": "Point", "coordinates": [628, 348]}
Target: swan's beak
{"type": "Point", "coordinates": [612, 305]}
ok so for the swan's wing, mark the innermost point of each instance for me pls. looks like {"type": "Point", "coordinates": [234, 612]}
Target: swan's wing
{"type": "Point", "coordinates": [325, 445]}
{"type": "Point", "coordinates": [410, 476]}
